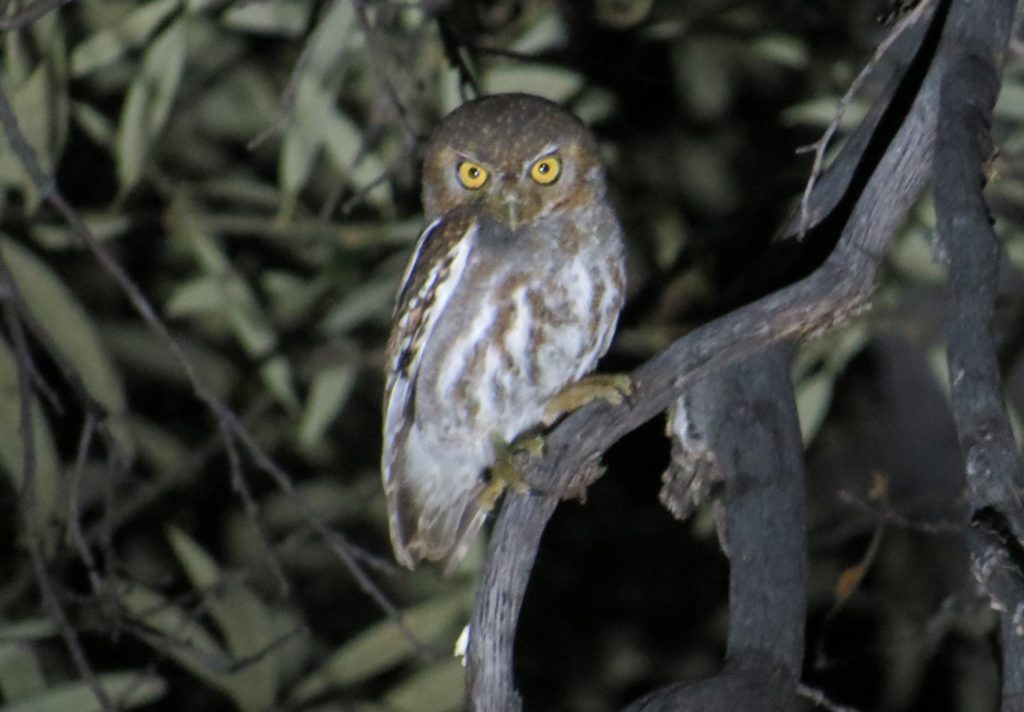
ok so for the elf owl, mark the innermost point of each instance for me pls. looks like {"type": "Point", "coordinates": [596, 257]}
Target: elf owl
{"type": "Point", "coordinates": [510, 297]}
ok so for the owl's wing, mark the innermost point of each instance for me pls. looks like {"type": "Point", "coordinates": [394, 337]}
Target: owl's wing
{"type": "Point", "coordinates": [432, 276]}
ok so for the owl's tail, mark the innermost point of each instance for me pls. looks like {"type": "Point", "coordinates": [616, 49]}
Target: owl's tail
{"type": "Point", "coordinates": [433, 507]}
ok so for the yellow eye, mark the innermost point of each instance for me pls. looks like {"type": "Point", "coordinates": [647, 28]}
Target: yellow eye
{"type": "Point", "coordinates": [546, 170]}
{"type": "Point", "coordinates": [472, 175]}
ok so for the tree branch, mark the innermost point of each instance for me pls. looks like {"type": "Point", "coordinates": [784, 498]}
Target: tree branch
{"type": "Point", "coordinates": [755, 435]}
{"type": "Point", "coordinates": [841, 287]}
{"type": "Point", "coordinates": [979, 35]}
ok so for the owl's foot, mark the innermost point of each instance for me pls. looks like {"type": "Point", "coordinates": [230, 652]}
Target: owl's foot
{"type": "Point", "coordinates": [611, 387]}
{"type": "Point", "coordinates": [505, 472]}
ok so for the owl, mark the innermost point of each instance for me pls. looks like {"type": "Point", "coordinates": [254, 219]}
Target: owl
{"type": "Point", "coordinates": [511, 296]}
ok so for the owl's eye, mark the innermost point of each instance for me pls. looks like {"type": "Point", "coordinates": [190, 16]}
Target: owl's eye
{"type": "Point", "coordinates": [546, 170]}
{"type": "Point", "coordinates": [472, 175]}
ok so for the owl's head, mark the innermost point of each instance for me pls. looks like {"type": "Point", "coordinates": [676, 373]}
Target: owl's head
{"type": "Point", "coordinates": [517, 157]}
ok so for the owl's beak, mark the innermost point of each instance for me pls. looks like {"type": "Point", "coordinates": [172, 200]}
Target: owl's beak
{"type": "Point", "coordinates": [512, 207]}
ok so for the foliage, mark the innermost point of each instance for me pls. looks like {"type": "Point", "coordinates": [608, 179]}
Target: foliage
{"type": "Point", "coordinates": [253, 165]}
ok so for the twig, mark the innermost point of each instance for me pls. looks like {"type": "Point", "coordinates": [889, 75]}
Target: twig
{"type": "Point", "coordinates": [75, 536]}
{"type": "Point", "coordinates": [30, 512]}
{"type": "Point", "coordinates": [818, 698]}
{"type": "Point", "coordinates": [821, 145]}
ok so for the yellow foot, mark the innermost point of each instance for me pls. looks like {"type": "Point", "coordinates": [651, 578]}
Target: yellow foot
{"type": "Point", "coordinates": [612, 387]}
{"type": "Point", "coordinates": [505, 473]}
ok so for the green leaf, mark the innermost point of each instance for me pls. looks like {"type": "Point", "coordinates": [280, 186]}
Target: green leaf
{"type": "Point", "coordinates": [191, 645]}
{"type": "Point", "coordinates": [247, 625]}
{"type": "Point", "coordinates": [287, 18]}
{"type": "Point", "coordinates": [369, 302]}
{"type": "Point", "coordinates": [28, 629]}
{"type": "Point", "coordinates": [813, 398]}
{"type": "Point", "coordinates": [194, 297]}
{"type": "Point", "coordinates": [551, 82]}
{"type": "Point", "coordinates": [385, 645]}
{"type": "Point", "coordinates": [200, 567]}
{"type": "Point", "coordinates": [108, 45]}
{"type": "Point", "coordinates": [21, 673]}
{"type": "Point", "coordinates": [69, 328]}
{"type": "Point", "coordinates": [345, 145]}
{"type": "Point", "coordinates": [439, 688]}
{"type": "Point", "coordinates": [328, 394]}
{"type": "Point", "coordinates": [47, 472]}
{"type": "Point", "coordinates": [1010, 105]}
{"type": "Point", "coordinates": [784, 50]}
{"type": "Point", "coordinates": [821, 112]}
{"type": "Point", "coordinates": [60, 236]}
{"type": "Point", "coordinates": [303, 138]}
{"type": "Point", "coordinates": [224, 294]}
{"type": "Point", "coordinates": [127, 689]}
{"type": "Point", "coordinates": [32, 104]}
{"type": "Point", "coordinates": [148, 102]}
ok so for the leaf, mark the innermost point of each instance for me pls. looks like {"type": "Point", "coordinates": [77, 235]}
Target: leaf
{"type": "Point", "coordinates": [303, 138]}
{"type": "Point", "coordinates": [315, 96]}
{"type": "Point", "coordinates": [821, 112]}
{"type": "Point", "coordinates": [370, 302]}
{"type": "Point", "coordinates": [1010, 105]}
{"type": "Point", "coordinates": [193, 297]}
{"type": "Point", "coordinates": [108, 45]}
{"type": "Point", "coordinates": [142, 351]}
{"type": "Point", "coordinates": [287, 18]}
{"type": "Point", "coordinates": [383, 646]}
{"type": "Point", "coordinates": [47, 473]}
{"type": "Point", "coordinates": [849, 580]}
{"type": "Point", "coordinates": [191, 645]}
{"type": "Point", "coordinates": [784, 50]}
{"type": "Point", "coordinates": [224, 294]}
{"type": "Point", "coordinates": [59, 237]}
{"type": "Point", "coordinates": [127, 689]}
{"type": "Point", "coordinates": [328, 394]}
{"type": "Point", "coordinates": [439, 688]}
{"type": "Point", "coordinates": [345, 144]}
{"type": "Point", "coordinates": [31, 102]}
{"type": "Point", "coordinates": [245, 622]}
{"type": "Point", "coordinates": [69, 328]}
{"type": "Point", "coordinates": [551, 82]}
{"type": "Point", "coordinates": [157, 447]}
{"type": "Point", "coordinates": [148, 102]}
{"type": "Point", "coordinates": [21, 673]}
{"type": "Point", "coordinates": [94, 123]}
{"type": "Point", "coordinates": [813, 398]}
{"type": "Point", "coordinates": [28, 629]}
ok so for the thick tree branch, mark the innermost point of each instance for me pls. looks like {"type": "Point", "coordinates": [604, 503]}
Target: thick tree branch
{"type": "Point", "coordinates": [755, 435]}
{"type": "Point", "coordinates": [995, 474]}
{"type": "Point", "coordinates": [838, 289]}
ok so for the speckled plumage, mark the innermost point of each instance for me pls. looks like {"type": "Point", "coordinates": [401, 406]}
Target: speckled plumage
{"type": "Point", "coordinates": [512, 294]}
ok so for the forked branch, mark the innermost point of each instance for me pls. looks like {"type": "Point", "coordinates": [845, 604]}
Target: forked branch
{"type": "Point", "coordinates": [901, 158]}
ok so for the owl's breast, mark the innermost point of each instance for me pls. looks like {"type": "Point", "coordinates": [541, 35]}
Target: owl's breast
{"type": "Point", "coordinates": [531, 315]}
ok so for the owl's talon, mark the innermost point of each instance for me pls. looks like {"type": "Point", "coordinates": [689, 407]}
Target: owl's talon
{"type": "Point", "coordinates": [611, 387]}
{"type": "Point", "coordinates": [505, 473]}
